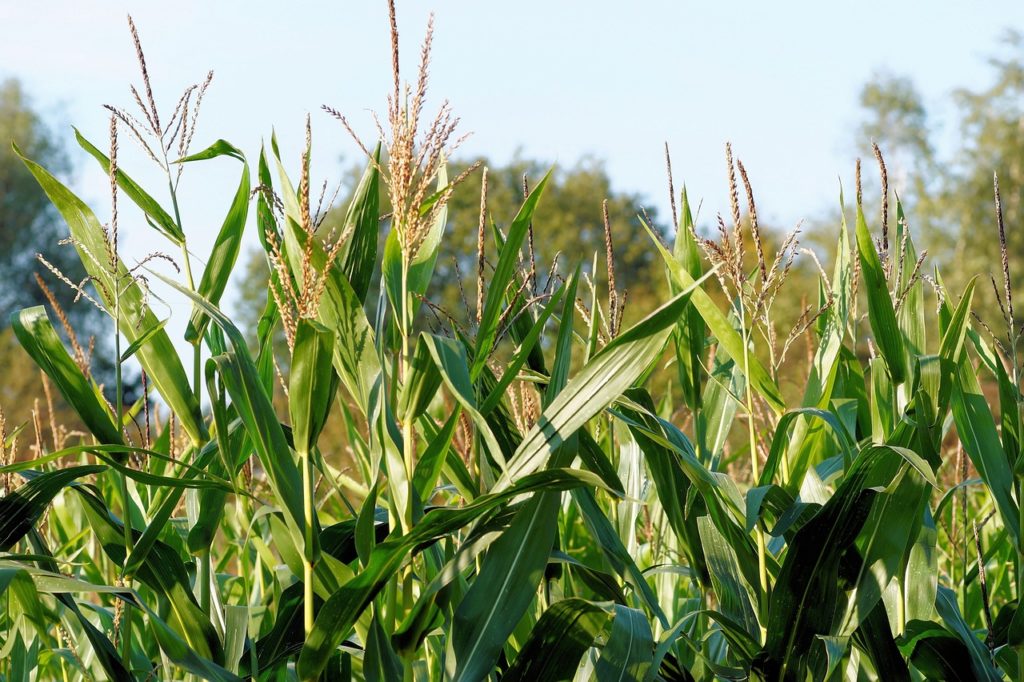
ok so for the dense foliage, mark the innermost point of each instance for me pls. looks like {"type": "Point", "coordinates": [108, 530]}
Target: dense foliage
{"type": "Point", "coordinates": [523, 497]}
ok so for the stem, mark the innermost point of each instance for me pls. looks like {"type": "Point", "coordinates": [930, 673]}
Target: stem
{"type": "Point", "coordinates": [307, 562]}
{"type": "Point", "coordinates": [408, 447]}
{"type": "Point", "coordinates": [762, 564]}
{"type": "Point", "coordinates": [126, 509]}
{"type": "Point", "coordinates": [408, 444]}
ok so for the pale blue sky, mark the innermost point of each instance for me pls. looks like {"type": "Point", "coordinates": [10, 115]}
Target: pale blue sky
{"type": "Point", "coordinates": [557, 79]}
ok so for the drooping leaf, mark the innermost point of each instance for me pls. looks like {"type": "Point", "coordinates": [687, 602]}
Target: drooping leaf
{"type": "Point", "coordinates": [39, 339]}
{"type": "Point", "coordinates": [558, 641]}
{"type": "Point", "coordinates": [158, 356]}
{"type": "Point", "coordinates": [228, 242]}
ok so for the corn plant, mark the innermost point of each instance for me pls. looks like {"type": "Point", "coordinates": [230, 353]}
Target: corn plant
{"type": "Point", "coordinates": [542, 494]}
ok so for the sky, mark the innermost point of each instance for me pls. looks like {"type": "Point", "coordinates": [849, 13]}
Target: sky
{"type": "Point", "coordinates": [550, 80]}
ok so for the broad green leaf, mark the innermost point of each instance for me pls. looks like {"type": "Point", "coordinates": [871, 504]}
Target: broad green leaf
{"type": "Point", "coordinates": [158, 356]}
{"type": "Point", "coordinates": [888, 535]}
{"type": "Point", "coordinates": [39, 339]}
{"type": "Point", "coordinates": [256, 411]}
{"type": "Point", "coordinates": [163, 572]}
{"type": "Point", "coordinates": [952, 345]}
{"type": "Point", "coordinates": [936, 652]}
{"type": "Point", "coordinates": [228, 243]}
{"type": "Point", "coordinates": [806, 600]}
{"type": "Point", "coordinates": [362, 222]}
{"type": "Point", "coordinates": [911, 314]}
{"type": "Point", "coordinates": [102, 647]}
{"type": "Point", "coordinates": [875, 638]}
{"type": "Point", "coordinates": [450, 359]}
{"type": "Point", "coordinates": [21, 508]}
{"type": "Point", "coordinates": [421, 384]}
{"type": "Point", "coordinates": [312, 383]}
{"type": "Point", "coordinates": [630, 648]}
{"type": "Point", "coordinates": [720, 326]}
{"type": "Point", "coordinates": [565, 632]}
{"type": "Point", "coordinates": [139, 342]}
{"type": "Point", "coordinates": [595, 387]}
{"type": "Point", "coordinates": [690, 331]}
{"type": "Point", "coordinates": [507, 581]}
{"type": "Point", "coordinates": [736, 599]}
{"type": "Point", "coordinates": [604, 534]}
{"type": "Point", "coordinates": [981, 660]}
{"type": "Point", "coordinates": [887, 334]}
{"type": "Point", "coordinates": [161, 220]}
{"type": "Point", "coordinates": [504, 270]}
{"type": "Point", "coordinates": [343, 608]}
{"type": "Point", "coordinates": [504, 588]}
{"type": "Point", "coordinates": [976, 429]}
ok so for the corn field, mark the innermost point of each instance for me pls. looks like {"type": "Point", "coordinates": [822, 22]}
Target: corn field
{"type": "Point", "coordinates": [538, 492]}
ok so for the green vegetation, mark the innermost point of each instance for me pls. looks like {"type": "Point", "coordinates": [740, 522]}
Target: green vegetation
{"type": "Point", "coordinates": [538, 487]}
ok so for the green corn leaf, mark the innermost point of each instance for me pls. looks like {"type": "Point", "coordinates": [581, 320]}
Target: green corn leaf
{"type": "Point", "coordinates": [606, 537]}
{"type": "Point", "coordinates": [558, 641]}
{"type": "Point", "coordinates": [159, 218]}
{"type": "Point", "coordinates": [165, 504]}
{"type": "Point", "coordinates": [344, 606]}
{"type": "Point", "coordinates": [735, 596]}
{"type": "Point", "coordinates": [508, 260]}
{"type": "Point", "coordinates": [228, 243]}
{"type": "Point", "coordinates": [719, 325]}
{"type": "Point", "coordinates": [432, 460]}
{"type": "Point", "coordinates": [981, 660]}
{"type": "Point", "coordinates": [881, 315]}
{"type": "Point", "coordinates": [163, 572]}
{"type": "Point", "coordinates": [910, 316]}
{"type": "Point", "coordinates": [888, 535]}
{"type": "Point", "coordinates": [875, 638]}
{"type": "Point", "coordinates": [157, 356]}
{"type": "Point", "coordinates": [17, 582]}
{"type": "Point", "coordinates": [691, 330]}
{"type": "Point", "coordinates": [243, 384]}
{"type": "Point", "coordinates": [362, 221]}
{"type": "Point", "coordinates": [450, 359]}
{"type": "Point", "coordinates": [39, 339]}
{"type": "Point", "coordinates": [106, 655]}
{"type": "Point", "coordinates": [936, 652]}
{"type": "Point", "coordinates": [563, 344]}
{"type": "Point", "coordinates": [805, 598]}
{"type": "Point", "coordinates": [23, 507]}
{"type": "Point", "coordinates": [312, 383]}
{"type": "Point", "coordinates": [422, 383]}
{"type": "Point", "coordinates": [595, 387]}
{"type": "Point", "coordinates": [629, 651]}
{"type": "Point", "coordinates": [142, 340]}
{"type": "Point", "coordinates": [951, 348]}
{"type": "Point", "coordinates": [976, 429]}
{"type": "Point", "coordinates": [506, 584]}
{"type": "Point", "coordinates": [672, 486]}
